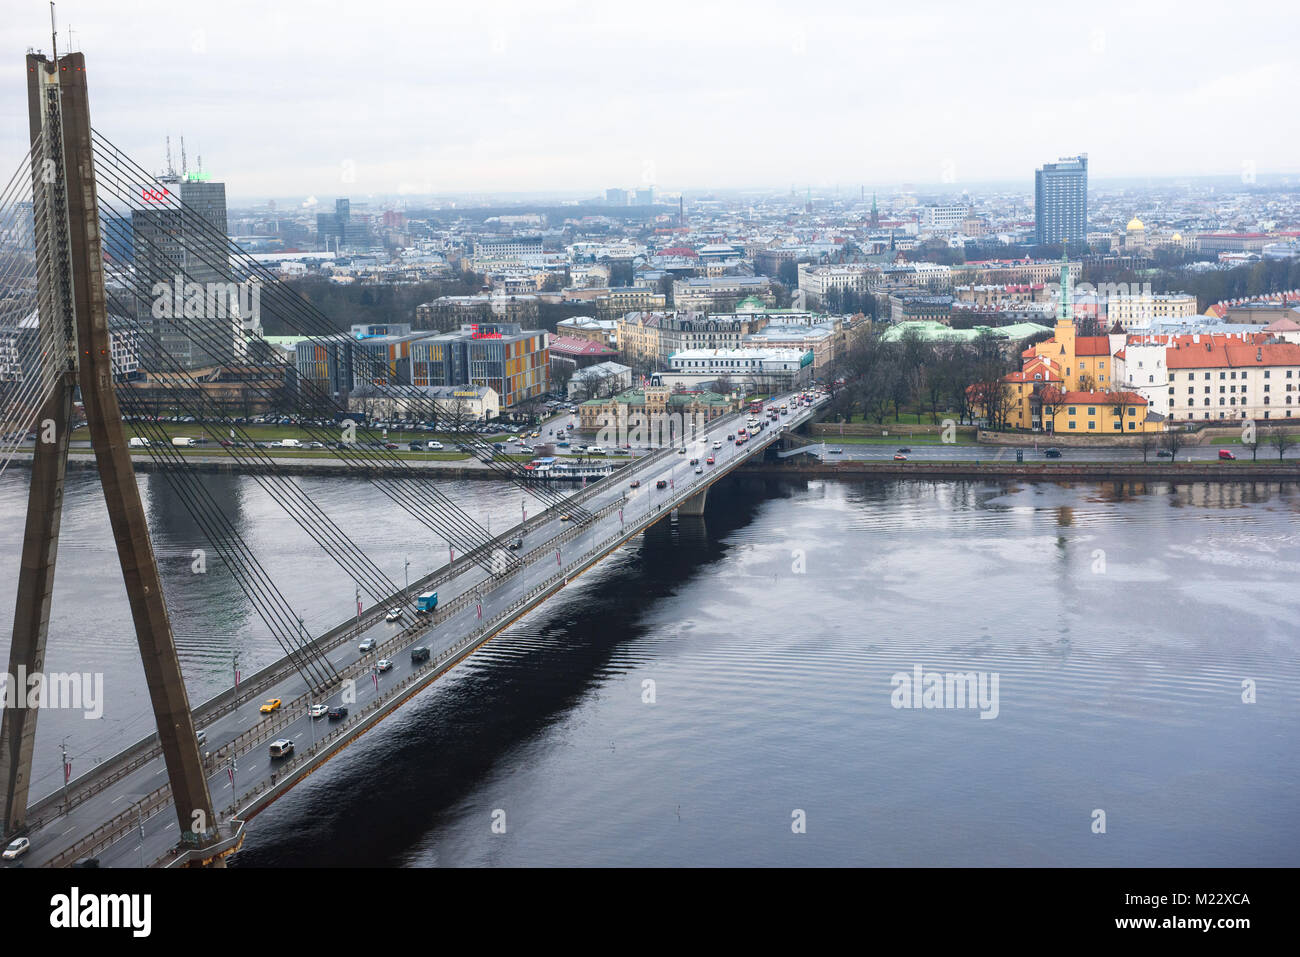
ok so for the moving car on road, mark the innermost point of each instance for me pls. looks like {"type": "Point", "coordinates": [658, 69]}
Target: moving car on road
{"type": "Point", "coordinates": [900, 457]}
{"type": "Point", "coordinates": [419, 656]}
{"type": "Point", "coordinates": [384, 664]}
{"type": "Point", "coordinates": [281, 748]}
{"type": "Point", "coordinates": [1226, 456]}
{"type": "Point", "coordinates": [661, 484]}
{"type": "Point", "coordinates": [709, 460]}
{"type": "Point", "coordinates": [17, 848]}
{"type": "Point", "coordinates": [318, 710]}
{"type": "Point", "coordinates": [835, 451]}
{"type": "Point", "coordinates": [367, 645]}
{"type": "Point", "coordinates": [337, 712]}
{"type": "Point", "coordinates": [271, 704]}
{"type": "Point", "coordinates": [1051, 453]}
{"type": "Point", "coordinates": [636, 483]}
{"type": "Point", "coordinates": [393, 614]}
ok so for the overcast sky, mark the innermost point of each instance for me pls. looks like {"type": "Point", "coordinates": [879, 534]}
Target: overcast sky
{"type": "Point", "coordinates": [288, 99]}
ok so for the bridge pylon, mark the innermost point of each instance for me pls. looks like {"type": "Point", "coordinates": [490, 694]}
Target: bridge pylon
{"type": "Point", "coordinates": [73, 307]}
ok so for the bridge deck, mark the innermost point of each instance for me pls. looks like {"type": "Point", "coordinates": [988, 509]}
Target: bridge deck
{"type": "Point", "coordinates": [122, 812]}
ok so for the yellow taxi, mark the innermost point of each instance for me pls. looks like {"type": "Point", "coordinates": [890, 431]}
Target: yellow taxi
{"type": "Point", "coordinates": [272, 704]}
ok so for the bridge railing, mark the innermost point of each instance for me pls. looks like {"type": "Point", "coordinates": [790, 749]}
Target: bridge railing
{"type": "Point", "coordinates": [139, 754]}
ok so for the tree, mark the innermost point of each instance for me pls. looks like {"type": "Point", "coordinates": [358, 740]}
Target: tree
{"type": "Point", "coordinates": [1281, 440]}
{"type": "Point", "coordinates": [788, 274]}
{"type": "Point", "coordinates": [1146, 442]}
{"type": "Point", "coordinates": [1253, 443]}
{"type": "Point", "coordinates": [1173, 441]}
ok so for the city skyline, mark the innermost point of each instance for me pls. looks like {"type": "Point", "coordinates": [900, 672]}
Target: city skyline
{"type": "Point", "coordinates": [506, 99]}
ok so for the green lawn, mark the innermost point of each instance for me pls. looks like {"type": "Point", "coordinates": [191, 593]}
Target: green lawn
{"type": "Point", "coordinates": [900, 438]}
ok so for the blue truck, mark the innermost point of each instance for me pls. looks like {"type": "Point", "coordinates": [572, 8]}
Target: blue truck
{"type": "Point", "coordinates": [426, 603]}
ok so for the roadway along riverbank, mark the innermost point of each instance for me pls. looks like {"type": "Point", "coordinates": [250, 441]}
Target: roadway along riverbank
{"type": "Point", "coordinates": [1206, 471]}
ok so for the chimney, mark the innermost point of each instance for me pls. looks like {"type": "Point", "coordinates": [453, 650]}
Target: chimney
{"type": "Point", "coordinates": [1259, 353]}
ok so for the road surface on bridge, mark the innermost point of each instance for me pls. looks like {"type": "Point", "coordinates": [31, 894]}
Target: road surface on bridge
{"type": "Point", "coordinates": [615, 506]}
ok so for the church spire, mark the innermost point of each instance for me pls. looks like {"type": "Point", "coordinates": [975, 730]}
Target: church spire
{"type": "Point", "coordinates": [1067, 311]}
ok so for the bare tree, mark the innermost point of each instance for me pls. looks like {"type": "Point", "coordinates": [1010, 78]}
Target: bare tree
{"type": "Point", "coordinates": [1281, 440]}
{"type": "Point", "coordinates": [1146, 442]}
{"type": "Point", "coordinates": [1173, 441]}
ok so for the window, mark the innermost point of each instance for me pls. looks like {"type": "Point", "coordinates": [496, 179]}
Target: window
{"type": "Point", "coordinates": [1070, 411]}
{"type": "Point", "coordinates": [1072, 424]}
{"type": "Point", "coordinates": [1092, 410]}
{"type": "Point", "coordinates": [1092, 424]}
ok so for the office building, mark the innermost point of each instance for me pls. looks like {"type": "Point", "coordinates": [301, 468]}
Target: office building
{"type": "Point", "coordinates": [1061, 201]}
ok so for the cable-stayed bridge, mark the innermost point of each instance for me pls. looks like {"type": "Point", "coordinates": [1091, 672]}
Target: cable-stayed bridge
{"type": "Point", "coordinates": [75, 286]}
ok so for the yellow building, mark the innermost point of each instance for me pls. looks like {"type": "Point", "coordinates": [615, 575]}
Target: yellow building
{"type": "Point", "coordinates": [1083, 362]}
{"type": "Point", "coordinates": [1097, 413]}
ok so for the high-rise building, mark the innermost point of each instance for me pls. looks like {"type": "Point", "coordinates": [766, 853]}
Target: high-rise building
{"type": "Point", "coordinates": [1061, 201]}
{"type": "Point", "coordinates": [170, 249]}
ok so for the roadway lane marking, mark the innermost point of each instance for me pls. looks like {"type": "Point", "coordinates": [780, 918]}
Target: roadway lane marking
{"type": "Point", "coordinates": [170, 826]}
{"type": "Point", "coordinates": [116, 799]}
{"type": "Point", "coordinates": [73, 828]}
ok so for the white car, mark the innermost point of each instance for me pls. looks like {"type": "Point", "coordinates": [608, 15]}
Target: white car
{"type": "Point", "coordinates": [699, 469]}
{"type": "Point", "coordinates": [17, 848]}
{"type": "Point", "coordinates": [393, 614]}
{"type": "Point", "coordinates": [526, 449]}
{"type": "Point", "coordinates": [717, 445]}
{"type": "Point", "coordinates": [368, 645]}
{"type": "Point", "coordinates": [434, 446]}
{"type": "Point", "coordinates": [318, 710]}
{"type": "Point", "coordinates": [385, 664]}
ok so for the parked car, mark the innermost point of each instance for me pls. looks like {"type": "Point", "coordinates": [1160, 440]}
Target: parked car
{"type": "Point", "coordinates": [337, 712]}
{"type": "Point", "coordinates": [271, 704]}
{"type": "Point", "coordinates": [1164, 454]}
{"type": "Point", "coordinates": [434, 446]}
{"type": "Point", "coordinates": [368, 645]}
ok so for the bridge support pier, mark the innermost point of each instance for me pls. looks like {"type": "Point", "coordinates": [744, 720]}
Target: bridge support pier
{"type": "Point", "coordinates": [695, 504]}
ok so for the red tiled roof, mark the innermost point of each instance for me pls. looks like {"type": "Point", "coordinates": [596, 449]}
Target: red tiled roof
{"type": "Point", "coordinates": [1103, 398]}
{"type": "Point", "coordinates": [1225, 352]}
{"type": "Point", "coordinates": [1092, 346]}
{"type": "Point", "coordinates": [575, 346]}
